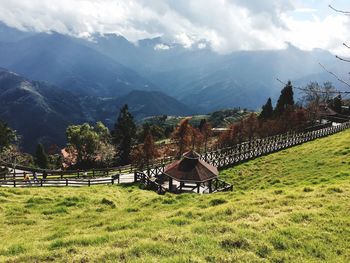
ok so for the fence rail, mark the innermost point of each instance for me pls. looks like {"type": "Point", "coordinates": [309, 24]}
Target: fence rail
{"type": "Point", "coordinates": [59, 182]}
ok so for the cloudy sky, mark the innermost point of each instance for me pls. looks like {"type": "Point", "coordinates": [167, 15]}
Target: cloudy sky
{"type": "Point", "coordinates": [228, 25]}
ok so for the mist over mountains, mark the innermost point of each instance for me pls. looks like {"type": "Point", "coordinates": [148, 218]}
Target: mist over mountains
{"type": "Point", "coordinates": [54, 80]}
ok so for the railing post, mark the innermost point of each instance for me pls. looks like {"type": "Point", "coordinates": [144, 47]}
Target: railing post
{"type": "Point", "coordinates": [66, 182]}
{"type": "Point", "coordinates": [89, 182]}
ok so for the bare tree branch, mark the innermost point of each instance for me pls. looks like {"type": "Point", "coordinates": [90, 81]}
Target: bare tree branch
{"type": "Point", "coordinates": [339, 11]}
{"type": "Point", "coordinates": [333, 74]}
{"type": "Point", "coordinates": [342, 59]}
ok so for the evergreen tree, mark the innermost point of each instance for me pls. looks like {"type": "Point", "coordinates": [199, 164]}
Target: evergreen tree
{"type": "Point", "coordinates": [285, 100]}
{"type": "Point", "coordinates": [337, 103]}
{"type": "Point", "coordinates": [7, 136]}
{"type": "Point", "coordinates": [124, 134]}
{"type": "Point", "coordinates": [41, 158]}
{"type": "Point", "coordinates": [267, 110]}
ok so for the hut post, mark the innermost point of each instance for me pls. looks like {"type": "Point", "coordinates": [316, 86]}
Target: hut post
{"type": "Point", "coordinates": [170, 184]}
{"type": "Point", "coordinates": [210, 186]}
{"type": "Point", "coordinates": [198, 187]}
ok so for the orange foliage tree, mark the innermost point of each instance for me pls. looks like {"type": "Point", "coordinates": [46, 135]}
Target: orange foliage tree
{"type": "Point", "coordinates": [143, 155]}
{"type": "Point", "coordinates": [206, 130]}
{"type": "Point", "coordinates": [186, 137]}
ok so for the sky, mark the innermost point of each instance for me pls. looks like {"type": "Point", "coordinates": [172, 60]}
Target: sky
{"type": "Point", "coordinates": [226, 25]}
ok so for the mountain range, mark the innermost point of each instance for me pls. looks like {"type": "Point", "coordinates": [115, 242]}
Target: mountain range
{"type": "Point", "coordinates": [41, 112]}
{"type": "Point", "coordinates": [67, 80]}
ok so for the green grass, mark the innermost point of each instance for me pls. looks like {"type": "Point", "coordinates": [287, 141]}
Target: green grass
{"type": "Point", "coordinates": [292, 206]}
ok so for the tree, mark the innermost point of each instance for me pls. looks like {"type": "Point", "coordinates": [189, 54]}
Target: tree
{"type": "Point", "coordinates": [285, 100]}
{"type": "Point", "coordinates": [89, 144]}
{"type": "Point", "coordinates": [267, 110]}
{"type": "Point", "coordinates": [149, 149]}
{"type": "Point", "coordinates": [123, 135]}
{"type": "Point", "coordinates": [183, 136]}
{"type": "Point", "coordinates": [197, 139]}
{"type": "Point", "coordinates": [232, 136]}
{"type": "Point", "coordinates": [7, 136]}
{"type": "Point", "coordinates": [250, 126]}
{"type": "Point", "coordinates": [143, 155]}
{"type": "Point", "coordinates": [337, 104]}
{"type": "Point", "coordinates": [206, 130]}
{"type": "Point", "coordinates": [156, 131]}
{"type": "Point", "coordinates": [41, 158]}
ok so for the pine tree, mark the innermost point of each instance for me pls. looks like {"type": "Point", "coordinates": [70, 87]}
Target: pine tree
{"type": "Point", "coordinates": [285, 100]}
{"type": "Point", "coordinates": [41, 159]}
{"type": "Point", "coordinates": [337, 104]}
{"type": "Point", "coordinates": [267, 111]}
{"type": "Point", "coordinates": [124, 133]}
{"type": "Point", "coordinates": [7, 136]}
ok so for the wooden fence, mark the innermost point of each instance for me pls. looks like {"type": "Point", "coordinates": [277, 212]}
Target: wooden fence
{"type": "Point", "coordinates": [18, 171]}
{"type": "Point", "coordinates": [149, 182]}
{"type": "Point", "coordinates": [59, 182]}
{"type": "Point", "coordinates": [230, 156]}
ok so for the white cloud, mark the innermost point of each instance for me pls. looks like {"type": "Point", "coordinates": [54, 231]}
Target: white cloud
{"type": "Point", "coordinates": [201, 45]}
{"type": "Point", "coordinates": [161, 47]}
{"type": "Point", "coordinates": [227, 25]}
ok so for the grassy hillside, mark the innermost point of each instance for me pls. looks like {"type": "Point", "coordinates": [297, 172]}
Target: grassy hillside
{"type": "Point", "coordinates": [291, 206]}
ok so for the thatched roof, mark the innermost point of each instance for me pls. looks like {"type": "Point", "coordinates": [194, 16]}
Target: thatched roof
{"type": "Point", "coordinates": [191, 169]}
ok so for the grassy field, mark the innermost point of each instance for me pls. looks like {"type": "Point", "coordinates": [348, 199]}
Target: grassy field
{"type": "Point", "coordinates": [292, 206]}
